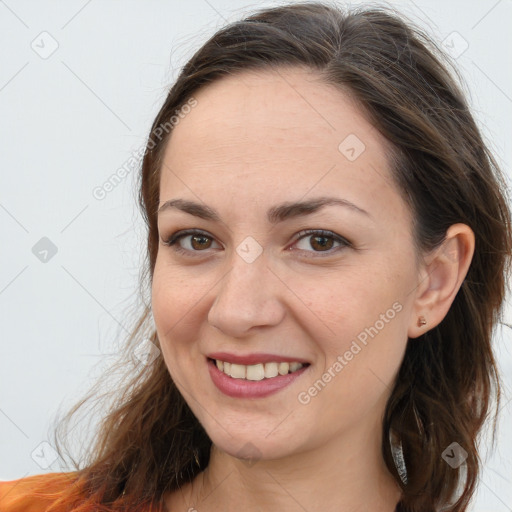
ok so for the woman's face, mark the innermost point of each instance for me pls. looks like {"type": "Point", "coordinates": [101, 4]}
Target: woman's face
{"type": "Point", "coordinates": [266, 281]}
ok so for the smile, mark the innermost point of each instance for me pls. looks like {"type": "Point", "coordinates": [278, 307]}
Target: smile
{"type": "Point", "coordinates": [256, 380]}
{"type": "Point", "coordinates": [258, 371]}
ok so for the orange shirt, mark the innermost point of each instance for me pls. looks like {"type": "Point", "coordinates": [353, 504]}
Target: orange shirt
{"type": "Point", "coordinates": [38, 492]}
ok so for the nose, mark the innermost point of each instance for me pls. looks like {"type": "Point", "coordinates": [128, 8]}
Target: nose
{"type": "Point", "coordinates": [249, 295]}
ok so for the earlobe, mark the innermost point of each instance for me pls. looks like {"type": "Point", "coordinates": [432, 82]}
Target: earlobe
{"type": "Point", "coordinates": [421, 321]}
{"type": "Point", "coordinates": [443, 272]}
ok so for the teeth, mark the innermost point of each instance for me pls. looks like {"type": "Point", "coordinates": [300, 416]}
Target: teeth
{"type": "Point", "coordinates": [295, 366]}
{"type": "Point", "coordinates": [255, 372]}
{"type": "Point", "coordinates": [283, 368]}
{"type": "Point", "coordinates": [237, 371]}
{"type": "Point", "coordinates": [271, 370]}
{"type": "Point", "coordinates": [258, 371]}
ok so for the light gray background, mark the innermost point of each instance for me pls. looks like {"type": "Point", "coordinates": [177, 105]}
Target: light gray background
{"type": "Point", "coordinates": [69, 120]}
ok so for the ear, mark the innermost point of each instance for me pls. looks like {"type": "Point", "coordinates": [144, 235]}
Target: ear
{"type": "Point", "coordinates": [441, 275]}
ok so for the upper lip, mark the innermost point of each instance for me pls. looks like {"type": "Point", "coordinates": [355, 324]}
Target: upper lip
{"type": "Point", "coordinates": [249, 359]}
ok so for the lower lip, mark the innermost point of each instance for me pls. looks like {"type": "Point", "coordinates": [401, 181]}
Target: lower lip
{"type": "Point", "coordinates": [242, 388]}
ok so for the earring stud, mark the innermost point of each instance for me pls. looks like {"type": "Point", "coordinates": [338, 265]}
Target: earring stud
{"type": "Point", "coordinates": [421, 321]}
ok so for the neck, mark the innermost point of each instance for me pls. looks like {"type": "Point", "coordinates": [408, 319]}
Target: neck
{"type": "Point", "coordinates": [349, 475]}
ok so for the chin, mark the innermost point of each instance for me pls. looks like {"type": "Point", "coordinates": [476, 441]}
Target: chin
{"type": "Point", "coordinates": [260, 442]}
{"type": "Point", "coordinates": [251, 450]}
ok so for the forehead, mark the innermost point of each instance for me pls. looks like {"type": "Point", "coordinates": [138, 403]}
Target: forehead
{"type": "Point", "coordinates": [280, 130]}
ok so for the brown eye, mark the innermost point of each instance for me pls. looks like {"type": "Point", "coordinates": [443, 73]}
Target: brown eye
{"type": "Point", "coordinates": [199, 242]}
{"type": "Point", "coordinates": [321, 241]}
{"type": "Point", "coordinates": [190, 242]}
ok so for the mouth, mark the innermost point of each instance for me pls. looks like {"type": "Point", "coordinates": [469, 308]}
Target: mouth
{"type": "Point", "coordinates": [258, 371]}
{"type": "Point", "coordinates": [255, 380]}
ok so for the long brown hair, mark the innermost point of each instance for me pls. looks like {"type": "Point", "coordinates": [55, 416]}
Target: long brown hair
{"type": "Point", "coordinates": [149, 442]}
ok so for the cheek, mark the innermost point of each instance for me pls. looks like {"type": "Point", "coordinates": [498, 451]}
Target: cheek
{"type": "Point", "coordinates": [345, 301]}
{"type": "Point", "coordinates": [360, 361]}
{"type": "Point", "coordinates": [361, 314]}
{"type": "Point", "coordinates": [172, 295]}
{"type": "Point", "coordinates": [172, 304]}
{"type": "Point", "coordinates": [169, 307]}
{"type": "Point", "coordinates": [163, 298]}
{"type": "Point", "coordinates": [180, 309]}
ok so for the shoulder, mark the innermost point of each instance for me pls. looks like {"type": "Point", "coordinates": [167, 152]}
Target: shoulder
{"type": "Point", "coordinates": [34, 493]}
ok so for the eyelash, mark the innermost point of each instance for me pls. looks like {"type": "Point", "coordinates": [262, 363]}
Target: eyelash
{"type": "Point", "coordinates": [175, 237]}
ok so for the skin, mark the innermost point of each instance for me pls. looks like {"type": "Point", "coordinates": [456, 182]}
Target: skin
{"type": "Point", "coordinates": [254, 140]}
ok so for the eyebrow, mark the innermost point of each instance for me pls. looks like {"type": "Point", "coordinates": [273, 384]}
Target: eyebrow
{"type": "Point", "coordinates": [275, 214]}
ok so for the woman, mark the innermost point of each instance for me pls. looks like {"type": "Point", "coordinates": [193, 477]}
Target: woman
{"type": "Point", "coordinates": [328, 247]}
